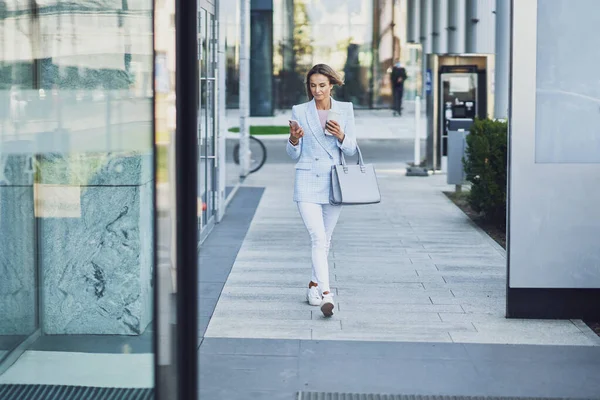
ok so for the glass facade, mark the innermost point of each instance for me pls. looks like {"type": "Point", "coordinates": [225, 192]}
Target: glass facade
{"type": "Point", "coordinates": [361, 43]}
{"type": "Point", "coordinates": [359, 38]}
{"type": "Point", "coordinates": [76, 190]}
{"type": "Point", "coordinates": [89, 283]}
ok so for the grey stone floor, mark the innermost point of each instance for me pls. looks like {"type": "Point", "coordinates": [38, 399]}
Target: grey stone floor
{"type": "Point", "coordinates": [413, 268]}
{"type": "Point", "coordinates": [396, 351]}
{"type": "Point", "coordinates": [277, 369]}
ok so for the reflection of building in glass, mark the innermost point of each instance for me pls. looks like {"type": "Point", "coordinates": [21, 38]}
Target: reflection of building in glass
{"type": "Point", "coordinates": [359, 38]}
{"type": "Point", "coordinates": [83, 45]}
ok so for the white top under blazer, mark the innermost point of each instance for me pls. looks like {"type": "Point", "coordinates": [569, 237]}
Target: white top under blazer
{"type": "Point", "coordinates": [316, 152]}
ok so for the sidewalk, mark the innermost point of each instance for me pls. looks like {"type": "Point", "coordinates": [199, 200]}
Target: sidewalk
{"type": "Point", "coordinates": [420, 294]}
{"type": "Point", "coordinates": [413, 268]}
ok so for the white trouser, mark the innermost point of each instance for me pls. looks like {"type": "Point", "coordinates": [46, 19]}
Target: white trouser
{"type": "Point", "coordinates": [320, 220]}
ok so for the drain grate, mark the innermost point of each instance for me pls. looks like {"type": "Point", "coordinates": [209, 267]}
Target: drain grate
{"type": "Point", "coordinates": [357, 396]}
{"type": "Point", "coordinates": [54, 392]}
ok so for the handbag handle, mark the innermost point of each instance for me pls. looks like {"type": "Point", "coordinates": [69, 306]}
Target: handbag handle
{"type": "Point", "coordinates": [360, 160]}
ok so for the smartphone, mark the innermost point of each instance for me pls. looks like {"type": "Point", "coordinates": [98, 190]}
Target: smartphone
{"type": "Point", "coordinates": [294, 124]}
{"type": "Point", "coordinates": [332, 116]}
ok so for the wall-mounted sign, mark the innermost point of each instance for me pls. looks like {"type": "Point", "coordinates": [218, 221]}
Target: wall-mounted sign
{"type": "Point", "coordinates": [428, 81]}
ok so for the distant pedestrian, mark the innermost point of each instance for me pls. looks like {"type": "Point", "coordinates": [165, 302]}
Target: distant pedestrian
{"type": "Point", "coordinates": [398, 78]}
{"type": "Point", "coordinates": [319, 129]}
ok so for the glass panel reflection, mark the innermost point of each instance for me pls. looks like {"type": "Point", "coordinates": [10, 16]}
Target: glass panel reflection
{"type": "Point", "coordinates": [77, 188]}
{"type": "Point", "coordinates": [360, 38]}
{"type": "Point", "coordinates": [307, 32]}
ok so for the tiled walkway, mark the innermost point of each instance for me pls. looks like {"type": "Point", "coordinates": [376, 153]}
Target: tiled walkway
{"type": "Point", "coordinates": [413, 269]}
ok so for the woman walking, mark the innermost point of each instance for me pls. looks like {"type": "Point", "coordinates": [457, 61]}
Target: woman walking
{"type": "Point", "coordinates": [319, 130]}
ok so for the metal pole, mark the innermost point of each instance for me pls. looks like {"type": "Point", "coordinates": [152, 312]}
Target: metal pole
{"type": "Point", "coordinates": [417, 131]}
{"type": "Point", "coordinates": [244, 88]}
{"type": "Point", "coordinates": [502, 59]}
{"type": "Point", "coordinates": [416, 169]}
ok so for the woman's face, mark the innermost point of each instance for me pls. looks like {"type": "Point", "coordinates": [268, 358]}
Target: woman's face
{"type": "Point", "coordinates": [320, 86]}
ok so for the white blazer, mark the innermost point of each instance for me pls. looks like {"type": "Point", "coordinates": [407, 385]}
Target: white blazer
{"type": "Point", "coordinates": [316, 152]}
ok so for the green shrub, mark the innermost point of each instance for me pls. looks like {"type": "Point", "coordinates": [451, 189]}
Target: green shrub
{"type": "Point", "coordinates": [485, 165]}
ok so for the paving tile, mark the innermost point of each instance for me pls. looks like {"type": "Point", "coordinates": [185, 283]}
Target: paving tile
{"type": "Point", "coordinates": [252, 323]}
{"type": "Point", "coordinates": [375, 335]}
{"type": "Point", "coordinates": [496, 301]}
{"type": "Point", "coordinates": [520, 337]}
{"type": "Point", "coordinates": [342, 278]}
{"type": "Point", "coordinates": [366, 317]}
{"type": "Point", "coordinates": [385, 296]}
{"type": "Point", "coordinates": [351, 305]}
{"type": "Point", "coordinates": [413, 327]}
{"type": "Point", "coordinates": [472, 317]}
{"type": "Point", "coordinates": [251, 372]}
{"type": "Point", "coordinates": [292, 305]}
{"type": "Point", "coordinates": [266, 314]}
{"type": "Point", "coordinates": [259, 333]}
{"type": "Point", "coordinates": [264, 347]}
{"type": "Point", "coordinates": [368, 350]}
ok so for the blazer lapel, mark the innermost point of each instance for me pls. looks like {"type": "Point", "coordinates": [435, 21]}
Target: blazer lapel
{"type": "Point", "coordinates": [315, 124]}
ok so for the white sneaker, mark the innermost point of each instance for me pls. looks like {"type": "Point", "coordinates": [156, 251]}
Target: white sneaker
{"type": "Point", "coordinates": [313, 296]}
{"type": "Point", "coordinates": [327, 305]}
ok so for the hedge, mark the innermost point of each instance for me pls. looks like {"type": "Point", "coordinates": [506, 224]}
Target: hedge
{"type": "Point", "coordinates": [485, 165]}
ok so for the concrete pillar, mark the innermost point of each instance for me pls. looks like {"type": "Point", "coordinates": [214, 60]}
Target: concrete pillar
{"type": "Point", "coordinates": [439, 40]}
{"type": "Point", "coordinates": [221, 107]}
{"type": "Point", "coordinates": [426, 25]}
{"type": "Point", "coordinates": [425, 36]}
{"type": "Point", "coordinates": [481, 26]}
{"type": "Point", "coordinates": [244, 88]}
{"type": "Point", "coordinates": [502, 59]}
{"type": "Point", "coordinates": [413, 26]}
{"type": "Point", "coordinates": [456, 26]}
{"type": "Point", "coordinates": [261, 62]}
{"type": "Point", "coordinates": [470, 17]}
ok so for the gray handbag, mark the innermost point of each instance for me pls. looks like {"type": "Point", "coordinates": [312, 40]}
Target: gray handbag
{"type": "Point", "coordinates": [353, 184]}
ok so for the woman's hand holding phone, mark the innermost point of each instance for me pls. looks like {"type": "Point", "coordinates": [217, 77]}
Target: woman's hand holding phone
{"type": "Point", "coordinates": [296, 132]}
{"type": "Point", "coordinates": [335, 129]}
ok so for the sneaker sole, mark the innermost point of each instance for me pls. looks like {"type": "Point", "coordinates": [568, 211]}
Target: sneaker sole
{"type": "Point", "coordinates": [327, 309]}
